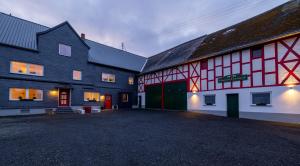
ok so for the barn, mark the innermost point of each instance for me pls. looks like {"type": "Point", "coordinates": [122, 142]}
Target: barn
{"type": "Point", "coordinates": [248, 70]}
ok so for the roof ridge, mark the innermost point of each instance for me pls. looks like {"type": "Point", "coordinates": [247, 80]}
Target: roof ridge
{"type": "Point", "coordinates": [23, 19]}
{"type": "Point", "coordinates": [114, 48]}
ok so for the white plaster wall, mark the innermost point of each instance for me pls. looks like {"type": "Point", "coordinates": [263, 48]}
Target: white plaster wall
{"type": "Point", "coordinates": [143, 99]}
{"type": "Point", "coordinates": [283, 100]}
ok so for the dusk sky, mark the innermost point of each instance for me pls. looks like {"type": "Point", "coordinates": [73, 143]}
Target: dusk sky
{"type": "Point", "coordinates": [146, 27]}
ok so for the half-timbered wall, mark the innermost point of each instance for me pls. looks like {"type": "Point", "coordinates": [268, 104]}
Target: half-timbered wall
{"type": "Point", "coordinates": [279, 65]}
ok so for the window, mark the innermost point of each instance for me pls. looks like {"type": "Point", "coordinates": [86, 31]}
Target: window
{"type": "Point", "coordinates": [26, 68]}
{"type": "Point", "coordinates": [124, 97]}
{"type": "Point", "coordinates": [17, 94]}
{"type": "Point", "coordinates": [204, 64]}
{"type": "Point", "coordinates": [261, 99]}
{"type": "Point", "coordinates": [77, 75]}
{"type": "Point", "coordinates": [108, 77]}
{"type": "Point", "coordinates": [210, 99]}
{"type": "Point", "coordinates": [130, 80]}
{"type": "Point", "coordinates": [92, 96]}
{"type": "Point", "coordinates": [257, 52]}
{"type": "Point", "coordinates": [64, 50]}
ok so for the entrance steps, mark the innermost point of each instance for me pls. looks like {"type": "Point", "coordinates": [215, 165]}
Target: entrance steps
{"type": "Point", "coordinates": [64, 110]}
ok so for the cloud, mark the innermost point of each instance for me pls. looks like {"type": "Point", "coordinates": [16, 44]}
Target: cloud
{"type": "Point", "coordinates": [146, 27]}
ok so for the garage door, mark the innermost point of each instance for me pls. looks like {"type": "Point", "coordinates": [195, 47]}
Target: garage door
{"type": "Point", "coordinates": [175, 96]}
{"type": "Point", "coordinates": [153, 96]}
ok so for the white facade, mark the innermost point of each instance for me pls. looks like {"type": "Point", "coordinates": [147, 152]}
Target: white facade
{"type": "Point", "coordinates": [275, 71]}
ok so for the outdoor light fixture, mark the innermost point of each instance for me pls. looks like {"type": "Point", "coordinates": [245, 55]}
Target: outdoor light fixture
{"type": "Point", "coordinates": [194, 91]}
{"type": "Point", "coordinates": [291, 86]}
{"type": "Point", "coordinates": [53, 92]}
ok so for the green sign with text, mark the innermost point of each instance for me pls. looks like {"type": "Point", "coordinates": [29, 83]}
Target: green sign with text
{"type": "Point", "coordinates": [234, 77]}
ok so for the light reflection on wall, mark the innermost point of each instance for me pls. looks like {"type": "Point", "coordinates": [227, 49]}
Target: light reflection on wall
{"type": "Point", "coordinates": [291, 97]}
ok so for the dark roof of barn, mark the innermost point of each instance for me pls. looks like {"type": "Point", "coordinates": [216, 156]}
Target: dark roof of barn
{"type": "Point", "coordinates": [173, 56]}
{"type": "Point", "coordinates": [275, 23]}
{"type": "Point", "coordinates": [106, 55]}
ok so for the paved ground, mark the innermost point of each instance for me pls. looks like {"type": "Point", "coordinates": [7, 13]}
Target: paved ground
{"type": "Point", "coordinates": [146, 138]}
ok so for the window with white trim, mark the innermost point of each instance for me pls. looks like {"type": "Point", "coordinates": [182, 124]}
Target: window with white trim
{"type": "Point", "coordinates": [26, 68]}
{"type": "Point", "coordinates": [209, 99]}
{"type": "Point", "coordinates": [19, 94]}
{"type": "Point", "coordinates": [64, 50]}
{"type": "Point", "coordinates": [261, 98]}
{"type": "Point", "coordinates": [130, 80]}
{"type": "Point", "coordinates": [91, 96]}
{"type": "Point", "coordinates": [77, 75]}
{"type": "Point", "coordinates": [108, 77]}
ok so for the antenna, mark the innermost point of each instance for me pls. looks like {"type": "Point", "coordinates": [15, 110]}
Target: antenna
{"type": "Point", "coordinates": [123, 46]}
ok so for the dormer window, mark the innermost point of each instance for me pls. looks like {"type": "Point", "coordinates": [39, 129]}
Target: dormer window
{"type": "Point", "coordinates": [64, 50]}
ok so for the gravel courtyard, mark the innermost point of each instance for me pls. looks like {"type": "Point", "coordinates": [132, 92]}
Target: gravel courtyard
{"type": "Point", "coordinates": [146, 138]}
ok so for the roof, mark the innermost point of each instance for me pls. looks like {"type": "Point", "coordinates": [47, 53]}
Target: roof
{"type": "Point", "coordinates": [22, 33]}
{"type": "Point", "coordinates": [18, 32]}
{"type": "Point", "coordinates": [173, 56]}
{"type": "Point", "coordinates": [275, 23]}
{"type": "Point", "coordinates": [106, 55]}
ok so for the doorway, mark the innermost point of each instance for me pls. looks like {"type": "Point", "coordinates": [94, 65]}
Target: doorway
{"type": "Point", "coordinates": [107, 102]}
{"type": "Point", "coordinates": [64, 98]}
{"type": "Point", "coordinates": [233, 105]}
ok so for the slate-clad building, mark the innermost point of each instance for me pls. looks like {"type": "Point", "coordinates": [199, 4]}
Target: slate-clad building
{"type": "Point", "coordinates": [249, 70]}
{"type": "Point", "coordinates": [55, 68]}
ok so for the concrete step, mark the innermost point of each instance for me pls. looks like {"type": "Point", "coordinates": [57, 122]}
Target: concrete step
{"type": "Point", "coordinates": [64, 110]}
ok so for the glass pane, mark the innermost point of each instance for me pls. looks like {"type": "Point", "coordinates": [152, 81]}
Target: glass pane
{"type": "Point", "coordinates": [91, 96]}
{"type": "Point", "coordinates": [76, 75]}
{"type": "Point", "coordinates": [36, 70]}
{"type": "Point", "coordinates": [130, 81]}
{"type": "Point", "coordinates": [257, 52]}
{"type": "Point", "coordinates": [18, 67]}
{"type": "Point", "coordinates": [35, 94]}
{"type": "Point", "coordinates": [17, 93]}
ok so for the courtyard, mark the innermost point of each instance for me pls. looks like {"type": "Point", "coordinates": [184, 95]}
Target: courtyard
{"type": "Point", "coordinates": [136, 137]}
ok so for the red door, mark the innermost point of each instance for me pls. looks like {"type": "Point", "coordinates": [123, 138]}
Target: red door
{"type": "Point", "coordinates": [107, 102]}
{"type": "Point", "coordinates": [64, 97]}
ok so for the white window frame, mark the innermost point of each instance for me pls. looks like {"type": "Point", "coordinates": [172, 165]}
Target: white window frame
{"type": "Point", "coordinates": [26, 94]}
{"type": "Point", "coordinates": [80, 75]}
{"type": "Point", "coordinates": [251, 99]}
{"type": "Point", "coordinates": [129, 80]}
{"type": "Point", "coordinates": [204, 103]}
{"type": "Point", "coordinates": [109, 74]}
{"type": "Point", "coordinates": [64, 50]}
{"type": "Point", "coordinates": [84, 99]}
{"type": "Point", "coordinates": [27, 69]}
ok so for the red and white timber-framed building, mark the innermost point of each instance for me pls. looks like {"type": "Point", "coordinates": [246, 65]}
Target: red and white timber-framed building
{"type": "Point", "coordinates": [249, 70]}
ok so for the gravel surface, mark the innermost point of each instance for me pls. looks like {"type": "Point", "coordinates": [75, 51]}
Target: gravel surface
{"type": "Point", "coordinates": [146, 138]}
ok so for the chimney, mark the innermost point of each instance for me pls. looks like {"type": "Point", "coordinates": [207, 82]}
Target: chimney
{"type": "Point", "coordinates": [82, 36]}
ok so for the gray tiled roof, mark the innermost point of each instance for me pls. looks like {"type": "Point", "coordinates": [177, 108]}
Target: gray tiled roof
{"type": "Point", "coordinates": [173, 56]}
{"type": "Point", "coordinates": [17, 32]}
{"type": "Point", "coordinates": [102, 54]}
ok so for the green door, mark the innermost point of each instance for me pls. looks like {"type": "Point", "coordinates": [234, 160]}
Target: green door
{"type": "Point", "coordinates": [233, 105]}
{"type": "Point", "coordinates": [153, 96]}
{"type": "Point", "coordinates": [175, 96]}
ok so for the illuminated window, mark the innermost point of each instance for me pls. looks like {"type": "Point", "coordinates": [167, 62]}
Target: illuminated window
{"type": "Point", "coordinates": [91, 96]}
{"type": "Point", "coordinates": [261, 99]}
{"type": "Point", "coordinates": [108, 77]}
{"type": "Point", "coordinates": [130, 80]}
{"type": "Point", "coordinates": [16, 94]}
{"type": "Point", "coordinates": [26, 68]}
{"type": "Point", "coordinates": [76, 75]}
{"type": "Point", "coordinates": [124, 97]}
{"type": "Point", "coordinates": [64, 50]}
{"type": "Point", "coordinates": [210, 99]}
{"type": "Point", "coordinates": [257, 52]}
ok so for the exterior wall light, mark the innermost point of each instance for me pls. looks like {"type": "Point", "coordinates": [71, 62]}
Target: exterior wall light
{"type": "Point", "coordinates": [291, 86]}
{"type": "Point", "coordinates": [194, 91]}
{"type": "Point", "coordinates": [53, 92]}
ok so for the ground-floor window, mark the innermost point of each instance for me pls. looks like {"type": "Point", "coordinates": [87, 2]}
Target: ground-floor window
{"type": "Point", "coordinates": [92, 96]}
{"type": "Point", "coordinates": [19, 94]}
{"type": "Point", "coordinates": [124, 97]}
{"type": "Point", "coordinates": [209, 99]}
{"type": "Point", "coordinates": [261, 98]}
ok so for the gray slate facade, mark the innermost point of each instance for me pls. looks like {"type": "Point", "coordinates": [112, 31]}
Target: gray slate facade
{"type": "Point", "coordinates": [58, 70]}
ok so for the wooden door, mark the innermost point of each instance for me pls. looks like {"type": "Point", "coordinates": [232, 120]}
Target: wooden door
{"type": "Point", "coordinates": [64, 97]}
{"type": "Point", "coordinates": [233, 105]}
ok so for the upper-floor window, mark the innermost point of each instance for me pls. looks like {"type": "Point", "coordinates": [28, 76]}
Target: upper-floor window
{"type": "Point", "coordinates": [26, 68]}
{"type": "Point", "coordinates": [210, 99]}
{"type": "Point", "coordinates": [257, 52]}
{"type": "Point", "coordinates": [64, 50]}
{"type": "Point", "coordinates": [108, 77]}
{"type": "Point", "coordinates": [77, 75]}
{"type": "Point", "coordinates": [130, 80]}
{"type": "Point", "coordinates": [17, 94]}
{"type": "Point", "coordinates": [92, 96]}
{"type": "Point", "coordinates": [261, 98]}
